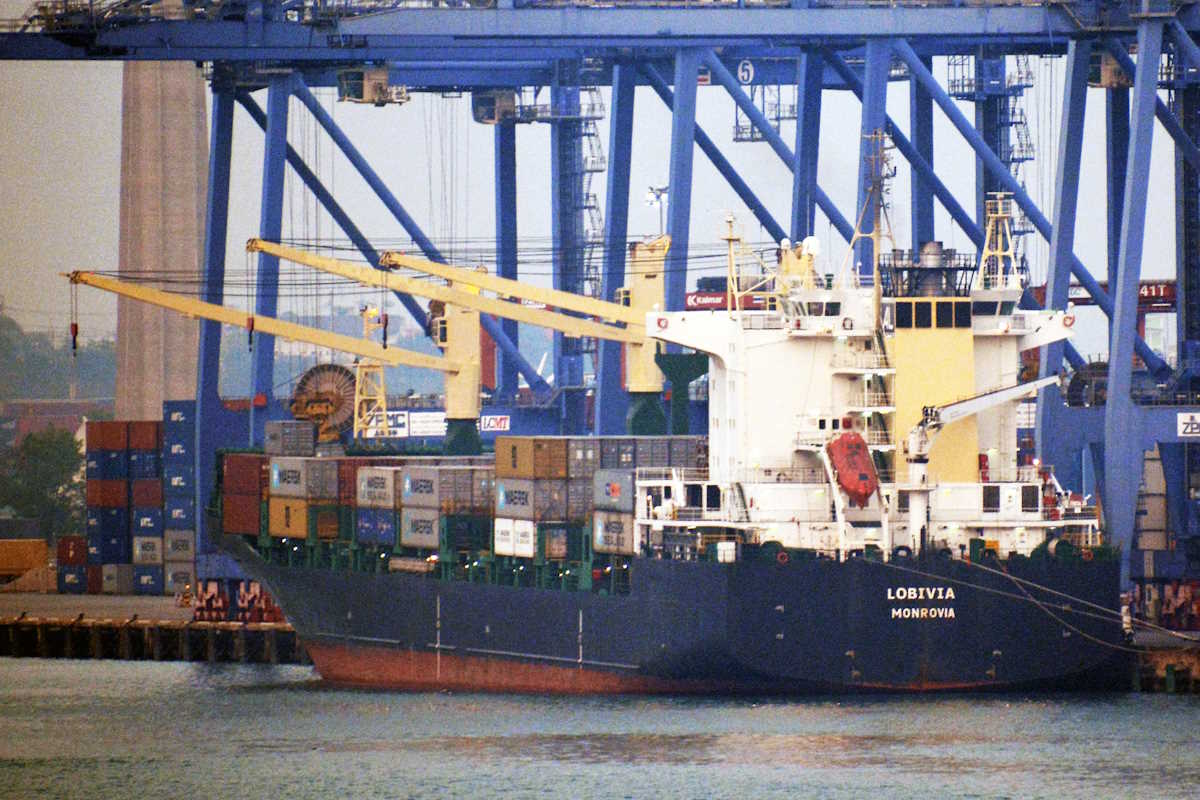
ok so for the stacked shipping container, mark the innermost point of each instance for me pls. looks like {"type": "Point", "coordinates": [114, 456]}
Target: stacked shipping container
{"type": "Point", "coordinates": [181, 544]}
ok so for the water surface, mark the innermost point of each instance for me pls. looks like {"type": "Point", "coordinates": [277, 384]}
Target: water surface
{"type": "Point", "coordinates": [143, 730]}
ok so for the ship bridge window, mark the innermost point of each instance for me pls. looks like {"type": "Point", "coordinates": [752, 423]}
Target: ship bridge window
{"type": "Point", "coordinates": [904, 314]}
{"type": "Point", "coordinates": [991, 498]}
{"type": "Point", "coordinates": [1029, 497]}
{"type": "Point", "coordinates": [922, 314]}
{"type": "Point", "coordinates": [833, 309]}
{"type": "Point", "coordinates": [1007, 308]}
{"type": "Point", "coordinates": [712, 498]}
{"type": "Point", "coordinates": [695, 493]}
{"type": "Point", "coordinates": [945, 314]}
{"type": "Point", "coordinates": [983, 309]}
{"type": "Point", "coordinates": [816, 309]}
{"type": "Point", "coordinates": [962, 314]}
{"type": "Point", "coordinates": [821, 424]}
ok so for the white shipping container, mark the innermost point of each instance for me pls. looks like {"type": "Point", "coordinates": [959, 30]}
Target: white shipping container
{"type": "Point", "coordinates": [179, 546]}
{"type": "Point", "coordinates": [524, 538]}
{"type": "Point", "coordinates": [613, 532]}
{"type": "Point", "coordinates": [309, 478]}
{"type": "Point", "coordinates": [147, 550]}
{"type": "Point", "coordinates": [502, 536]}
{"type": "Point", "coordinates": [376, 487]}
{"type": "Point", "coordinates": [419, 527]}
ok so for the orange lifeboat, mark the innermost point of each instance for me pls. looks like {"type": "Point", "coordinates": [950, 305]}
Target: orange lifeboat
{"type": "Point", "coordinates": [855, 469]}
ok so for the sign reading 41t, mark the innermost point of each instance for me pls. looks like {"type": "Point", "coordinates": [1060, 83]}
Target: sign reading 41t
{"type": "Point", "coordinates": [1187, 425]}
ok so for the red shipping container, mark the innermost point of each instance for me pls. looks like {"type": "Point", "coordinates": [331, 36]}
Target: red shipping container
{"type": "Point", "coordinates": [241, 513]}
{"type": "Point", "coordinates": [145, 435]}
{"type": "Point", "coordinates": [72, 551]}
{"type": "Point", "coordinates": [146, 492]}
{"type": "Point", "coordinates": [107, 435]}
{"type": "Point", "coordinates": [95, 579]}
{"type": "Point", "coordinates": [348, 480]}
{"type": "Point", "coordinates": [244, 473]}
{"type": "Point", "coordinates": [108, 494]}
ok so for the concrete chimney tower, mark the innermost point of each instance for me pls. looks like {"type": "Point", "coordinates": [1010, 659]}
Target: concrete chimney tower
{"type": "Point", "coordinates": [164, 171]}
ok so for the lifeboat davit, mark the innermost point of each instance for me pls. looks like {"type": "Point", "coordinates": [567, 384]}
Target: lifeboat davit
{"type": "Point", "coordinates": [854, 467]}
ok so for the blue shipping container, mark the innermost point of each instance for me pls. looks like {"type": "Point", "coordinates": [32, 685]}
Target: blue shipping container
{"type": "Point", "coordinates": [144, 464]}
{"type": "Point", "coordinates": [72, 580]}
{"type": "Point", "coordinates": [177, 412]}
{"type": "Point", "coordinates": [178, 454]}
{"type": "Point", "coordinates": [92, 465]}
{"type": "Point", "coordinates": [94, 542]}
{"type": "Point", "coordinates": [147, 580]}
{"type": "Point", "coordinates": [115, 549]}
{"type": "Point", "coordinates": [179, 478]}
{"type": "Point", "coordinates": [147, 521]}
{"type": "Point", "coordinates": [180, 511]}
{"type": "Point", "coordinates": [111, 521]}
{"type": "Point", "coordinates": [376, 526]}
{"type": "Point", "coordinates": [111, 465]}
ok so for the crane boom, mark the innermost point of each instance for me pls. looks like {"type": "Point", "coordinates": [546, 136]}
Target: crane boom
{"type": "Point", "coordinates": [569, 301]}
{"type": "Point", "coordinates": [934, 418]}
{"type": "Point", "coordinates": [572, 326]}
{"type": "Point", "coordinates": [191, 307]}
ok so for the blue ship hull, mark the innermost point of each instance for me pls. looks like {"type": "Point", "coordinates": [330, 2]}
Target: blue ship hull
{"type": "Point", "coordinates": [688, 626]}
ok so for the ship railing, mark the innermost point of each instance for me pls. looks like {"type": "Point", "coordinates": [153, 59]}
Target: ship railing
{"type": "Point", "coordinates": [683, 474]}
{"type": "Point", "coordinates": [873, 400]}
{"type": "Point", "coordinates": [1005, 474]}
{"type": "Point", "coordinates": [783, 475]}
{"type": "Point", "coordinates": [877, 436]}
{"type": "Point", "coordinates": [860, 360]}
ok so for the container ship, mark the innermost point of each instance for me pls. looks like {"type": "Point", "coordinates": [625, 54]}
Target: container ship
{"type": "Point", "coordinates": [856, 519]}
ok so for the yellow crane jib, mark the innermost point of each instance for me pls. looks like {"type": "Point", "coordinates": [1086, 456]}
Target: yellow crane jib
{"type": "Point", "coordinates": [572, 326]}
{"type": "Point", "coordinates": [285, 330]}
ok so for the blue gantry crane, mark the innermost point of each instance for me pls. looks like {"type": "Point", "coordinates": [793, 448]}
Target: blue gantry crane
{"type": "Point", "coordinates": [751, 49]}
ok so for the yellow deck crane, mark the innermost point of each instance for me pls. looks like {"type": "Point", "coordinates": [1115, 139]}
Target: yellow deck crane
{"type": "Point", "coordinates": [643, 379]}
{"type": "Point", "coordinates": [317, 408]}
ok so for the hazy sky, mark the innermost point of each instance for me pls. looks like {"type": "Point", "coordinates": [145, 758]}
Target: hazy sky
{"type": "Point", "coordinates": [60, 139]}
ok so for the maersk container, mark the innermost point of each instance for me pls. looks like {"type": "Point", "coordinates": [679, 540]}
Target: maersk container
{"type": "Point", "coordinates": [289, 438]}
{"type": "Point", "coordinates": [179, 511]}
{"type": "Point", "coordinates": [376, 487]}
{"type": "Point", "coordinates": [147, 550]}
{"type": "Point", "coordinates": [72, 579]}
{"type": "Point", "coordinates": [178, 576]}
{"type": "Point", "coordinates": [537, 500]}
{"type": "Point", "coordinates": [116, 579]}
{"type": "Point", "coordinates": [613, 533]}
{"type": "Point", "coordinates": [514, 537]}
{"type": "Point", "coordinates": [583, 456]}
{"type": "Point", "coordinates": [419, 527]}
{"type": "Point", "coordinates": [618, 452]}
{"type": "Point", "coordinates": [579, 499]}
{"type": "Point", "coordinates": [146, 492]}
{"type": "Point", "coordinates": [147, 522]}
{"type": "Point", "coordinates": [145, 464]}
{"type": "Point", "coordinates": [148, 579]}
{"type": "Point", "coordinates": [179, 545]}
{"type": "Point", "coordinates": [309, 478]}
{"type": "Point", "coordinates": [613, 490]}
{"type": "Point", "coordinates": [450, 489]}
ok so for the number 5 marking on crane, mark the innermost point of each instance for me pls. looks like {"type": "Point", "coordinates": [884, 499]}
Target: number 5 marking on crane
{"type": "Point", "coordinates": [745, 71]}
